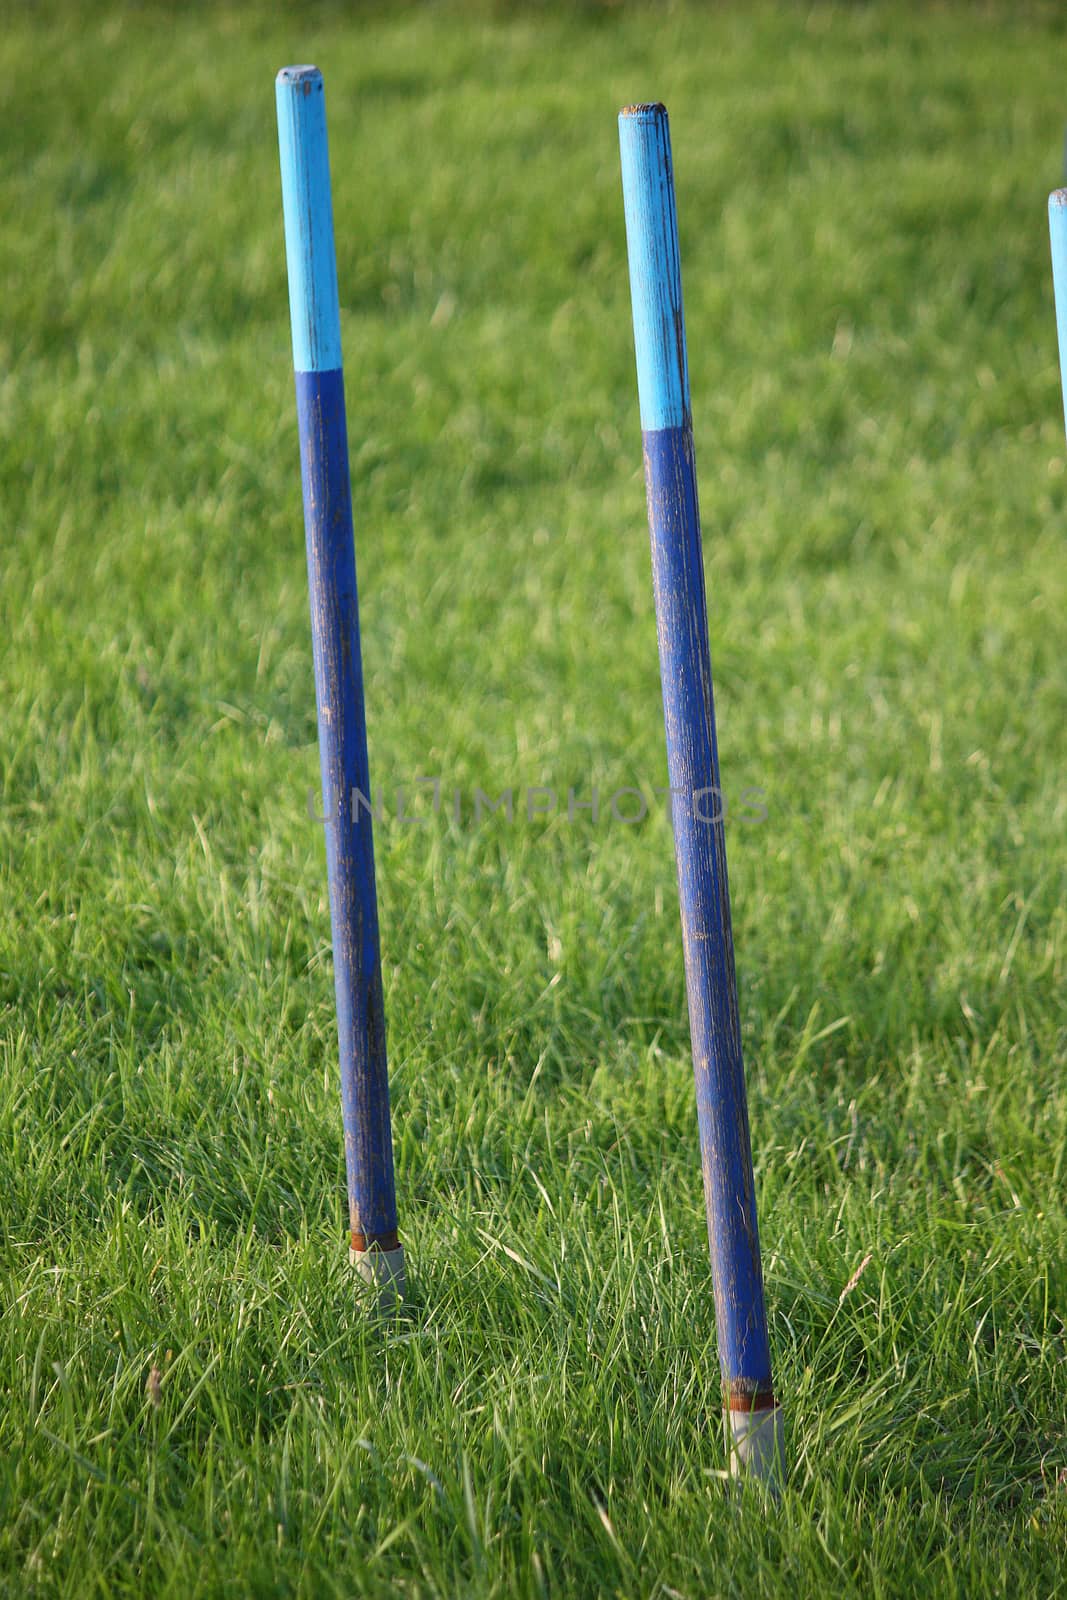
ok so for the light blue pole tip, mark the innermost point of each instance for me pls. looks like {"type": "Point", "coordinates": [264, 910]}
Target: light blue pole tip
{"type": "Point", "coordinates": [1057, 227]}
{"type": "Point", "coordinates": [308, 212]}
{"type": "Point", "coordinates": [647, 111]}
{"type": "Point", "coordinates": [655, 269]}
{"type": "Point", "coordinates": [297, 75]}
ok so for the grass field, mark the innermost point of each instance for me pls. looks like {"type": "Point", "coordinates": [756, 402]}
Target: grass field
{"type": "Point", "coordinates": [880, 441]}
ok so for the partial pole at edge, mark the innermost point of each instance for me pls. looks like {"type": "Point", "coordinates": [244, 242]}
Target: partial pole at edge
{"type": "Point", "coordinates": [320, 402]}
{"type": "Point", "coordinates": [1057, 227]}
{"type": "Point", "coordinates": [754, 1423]}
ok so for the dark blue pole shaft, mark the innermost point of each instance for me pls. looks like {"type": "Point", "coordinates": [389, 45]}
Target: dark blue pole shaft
{"type": "Point", "coordinates": [692, 756]}
{"type": "Point", "coordinates": [320, 404]}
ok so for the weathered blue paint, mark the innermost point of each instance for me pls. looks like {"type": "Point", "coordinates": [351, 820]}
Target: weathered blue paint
{"type": "Point", "coordinates": [1057, 224]}
{"type": "Point", "coordinates": [320, 404]}
{"type": "Point", "coordinates": [692, 756]}
{"type": "Point", "coordinates": [308, 213]}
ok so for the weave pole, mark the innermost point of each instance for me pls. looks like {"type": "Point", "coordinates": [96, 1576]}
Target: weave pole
{"type": "Point", "coordinates": [1057, 227]}
{"type": "Point", "coordinates": [754, 1423]}
{"type": "Point", "coordinates": [375, 1248]}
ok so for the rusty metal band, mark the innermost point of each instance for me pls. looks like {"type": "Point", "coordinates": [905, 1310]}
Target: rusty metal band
{"type": "Point", "coordinates": [745, 1399]}
{"type": "Point", "coordinates": [375, 1241]}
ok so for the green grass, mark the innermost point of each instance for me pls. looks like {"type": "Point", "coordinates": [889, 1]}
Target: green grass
{"type": "Point", "coordinates": [880, 440]}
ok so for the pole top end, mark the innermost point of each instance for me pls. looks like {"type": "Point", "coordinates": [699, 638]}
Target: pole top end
{"type": "Point", "coordinates": [1058, 197]}
{"type": "Point", "coordinates": [649, 110]}
{"type": "Point", "coordinates": [305, 78]}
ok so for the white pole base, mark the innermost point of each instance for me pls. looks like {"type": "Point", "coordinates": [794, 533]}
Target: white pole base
{"type": "Point", "coordinates": [384, 1271]}
{"type": "Point", "coordinates": [756, 1442]}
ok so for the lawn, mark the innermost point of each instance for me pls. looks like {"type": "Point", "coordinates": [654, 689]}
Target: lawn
{"type": "Point", "coordinates": [880, 443]}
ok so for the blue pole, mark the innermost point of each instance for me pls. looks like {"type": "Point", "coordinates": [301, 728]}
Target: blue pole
{"type": "Point", "coordinates": [754, 1422]}
{"type": "Point", "coordinates": [320, 407]}
{"type": "Point", "coordinates": [1057, 227]}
